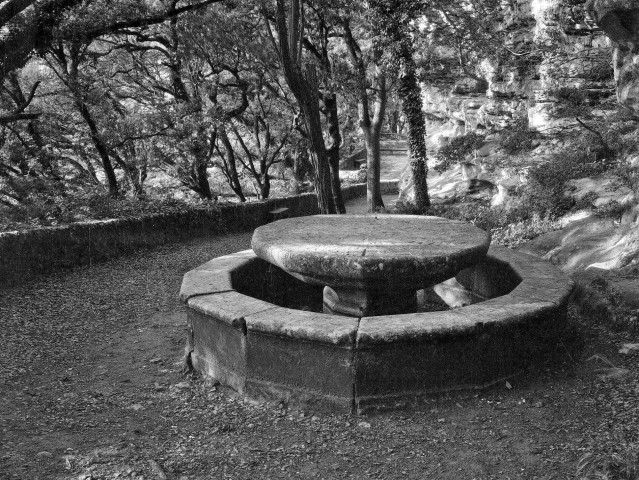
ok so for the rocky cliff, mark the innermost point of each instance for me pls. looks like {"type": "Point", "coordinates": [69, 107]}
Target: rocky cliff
{"type": "Point", "coordinates": [551, 47]}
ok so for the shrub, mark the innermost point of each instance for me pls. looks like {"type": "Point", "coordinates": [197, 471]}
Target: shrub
{"type": "Point", "coordinates": [518, 137]}
{"type": "Point", "coordinates": [37, 211]}
{"type": "Point", "coordinates": [506, 226]}
{"type": "Point", "coordinates": [514, 234]}
{"type": "Point", "coordinates": [457, 150]}
{"type": "Point", "coordinates": [614, 465]}
{"type": "Point", "coordinates": [545, 192]}
{"type": "Point", "coordinates": [612, 209]}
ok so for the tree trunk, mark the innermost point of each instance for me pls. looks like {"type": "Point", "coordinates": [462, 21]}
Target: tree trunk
{"type": "Point", "coordinates": [99, 145]}
{"type": "Point", "coordinates": [372, 127]}
{"type": "Point", "coordinates": [410, 95]}
{"type": "Point", "coordinates": [201, 178]}
{"type": "Point", "coordinates": [198, 175]}
{"type": "Point", "coordinates": [265, 187]}
{"type": "Point", "coordinates": [265, 181]}
{"type": "Point", "coordinates": [305, 89]}
{"type": "Point", "coordinates": [309, 104]}
{"type": "Point", "coordinates": [232, 175]}
{"type": "Point", "coordinates": [332, 152]}
{"type": "Point", "coordinates": [374, 199]}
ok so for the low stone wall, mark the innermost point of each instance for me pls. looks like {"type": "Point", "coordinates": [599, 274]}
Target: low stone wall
{"type": "Point", "coordinates": [359, 189]}
{"type": "Point", "coordinates": [23, 254]}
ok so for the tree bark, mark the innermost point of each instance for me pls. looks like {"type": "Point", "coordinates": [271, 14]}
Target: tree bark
{"type": "Point", "coordinates": [330, 106]}
{"type": "Point", "coordinates": [102, 149]}
{"type": "Point", "coordinates": [392, 18]}
{"type": "Point", "coordinates": [232, 175]}
{"type": "Point", "coordinates": [305, 89]}
{"type": "Point", "coordinates": [371, 126]}
{"type": "Point", "coordinates": [410, 95]}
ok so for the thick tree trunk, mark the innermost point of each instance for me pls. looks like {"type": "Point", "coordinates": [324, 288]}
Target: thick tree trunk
{"type": "Point", "coordinates": [201, 178]}
{"type": "Point", "coordinates": [199, 175]}
{"type": "Point", "coordinates": [330, 106]}
{"type": "Point", "coordinates": [371, 126]}
{"type": "Point", "coordinates": [305, 89]}
{"type": "Point", "coordinates": [309, 104]}
{"type": "Point", "coordinates": [265, 188]}
{"type": "Point", "coordinates": [374, 199]}
{"type": "Point", "coordinates": [410, 95]}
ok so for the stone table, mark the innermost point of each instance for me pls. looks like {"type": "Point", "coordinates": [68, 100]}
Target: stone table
{"type": "Point", "coordinates": [371, 264]}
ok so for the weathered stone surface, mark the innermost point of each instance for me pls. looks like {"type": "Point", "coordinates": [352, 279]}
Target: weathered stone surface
{"type": "Point", "coordinates": [328, 362]}
{"type": "Point", "coordinates": [229, 307]}
{"type": "Point", "coordinates": [367, 250]}
{"type": "Point", "coordinates": [628, 348]}
{"type": "Point", "coordinates": [399, 373]}
{"type": "Point", "coordinates": [371, 265]}
{"type": "Point", "coordinates": [605, 188]}
{"type": "Point", "coordinates": [619, 19]}
{"type": "Point", "coordinates": [218, 349]}
{"type": "Point", "coordinates": [214, 276]}
{"type": "Point", "coordinates": [292, 367]}
{"type": "Point", "coordinates": [382, 300]}
{"type": "Point", "coordinates": [302, 325]}
{"type": "Point", "coordinates": [204, 282]}
{"type": "Point", "coordinates": [454, 294]}
{"type": "Point", "coordinates": [589, 243]}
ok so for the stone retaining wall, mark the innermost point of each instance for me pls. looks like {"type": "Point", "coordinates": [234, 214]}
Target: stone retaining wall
{"type": "Point", "coordinates": [47, 249]}
{"type": "Point", "coordinates": [359, 189]}
{"type": "Point", "coordinates": [25, 253]}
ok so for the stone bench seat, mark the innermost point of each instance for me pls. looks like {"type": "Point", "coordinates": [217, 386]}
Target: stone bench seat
{"type": "Point", "coordinates": [267, 351]}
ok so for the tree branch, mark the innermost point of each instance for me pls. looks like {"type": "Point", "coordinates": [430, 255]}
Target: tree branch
{"type": "Point", "coordinates": [14, 117]}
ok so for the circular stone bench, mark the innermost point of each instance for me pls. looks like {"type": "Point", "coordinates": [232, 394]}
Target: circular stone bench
{"type": "Point", "coordinates": [241, 335]}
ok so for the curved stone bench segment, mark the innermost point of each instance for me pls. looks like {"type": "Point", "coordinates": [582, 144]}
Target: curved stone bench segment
{"type": "Point", "coordinates": [540, 288]}
{"type": "Point", "coordinates": [262, 350]}
{"type": "Point", "coordinates": [325, 361]}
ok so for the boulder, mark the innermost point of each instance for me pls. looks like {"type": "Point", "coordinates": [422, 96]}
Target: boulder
{"type": "Point", "coordinates": [589, 243]}
{"type": "Point", "coordinates": [619, 19]}
{"type": "Point", "coordinates": [607, 189]}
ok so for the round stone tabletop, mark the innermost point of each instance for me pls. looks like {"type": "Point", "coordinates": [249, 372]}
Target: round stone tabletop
{"type": "Point", "coordinates": [370, 251]}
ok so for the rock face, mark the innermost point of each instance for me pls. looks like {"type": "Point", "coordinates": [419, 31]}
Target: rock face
{"type": "Point", "coordinates": [559, 46]}
{"type": "Point", "coordinates": [563, 48]}
{"type": "Point", "coordinates": [619, 19]}
{"type": "Point", "coordinates": [591, 243]}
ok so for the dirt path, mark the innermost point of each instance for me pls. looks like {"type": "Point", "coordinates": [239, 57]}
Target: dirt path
{"type": "Point", "coordinates": [90, 388]}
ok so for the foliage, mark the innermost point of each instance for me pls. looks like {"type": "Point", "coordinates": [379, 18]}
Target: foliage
{"type": "Point", "coordinates": [546, 190]}
{"type": "Point", "coordinates": [39, 210]}
{"type": "Point", "coordinates": [508, 227]}
{"type": "Point", "coordinates": [612, 209]}
{"type": "Point", "coordinates": [514, 234]}
{"type": "Point", "coordinates": [572, 101]}
{"type": "Point", "coordinates": [457, 150]}
{"type": "Point", "coordinates": [622, 464]}
{"type": "Point", "coordinates": [518, 137]}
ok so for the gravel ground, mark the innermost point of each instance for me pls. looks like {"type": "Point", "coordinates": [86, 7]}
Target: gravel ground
{"type": "Point", "coordinates": [90, 387]}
